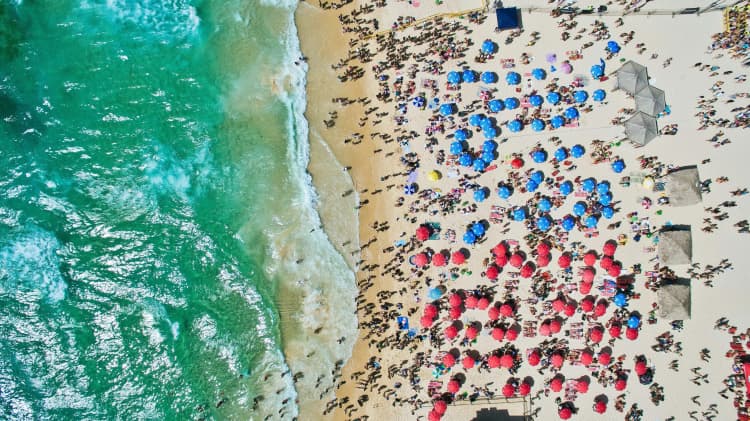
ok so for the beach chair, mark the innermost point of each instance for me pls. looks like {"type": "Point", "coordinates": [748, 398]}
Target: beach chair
{"type": "Point", "coordinates": [529, 329]}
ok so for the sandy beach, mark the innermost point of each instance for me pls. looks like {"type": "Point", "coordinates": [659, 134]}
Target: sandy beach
{"type": "Point", "coordinates": [515, 273]}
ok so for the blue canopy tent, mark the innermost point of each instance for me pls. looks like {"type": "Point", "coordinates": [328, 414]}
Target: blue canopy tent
{"type": "Point", "coordinates": [461, 135]}
{"type": "Point", "coordinates": [597, 71]}
{"type": "Point", "coordinates": [507, 18]}
{"type": "Point", "coordinates": [566, 188]}
{"type": "Point", "coordinates": [568, 223]}
{"type": "Point", "coordinates": [454, 77]}
{"type": "Point", "coordinates": [588, 185]}
{"type": "Point", "coordinates": [515, 126]}
{"type": "Point", "coordinates": [513, 78]}
{"type": "Point", "coordinates": [540, 155]}
{"type": "Point", "coordinates": [538, 74]}
{"type": "Point", "coordinates": [544, 204]}
{"type": "Point", "coordinates": [579, 209]}
{"type": "Point", "coordinates": [544, 223]}
{"type": "Point", "coordinates": [469, 76]}
{"type": "Point", "coordinates": [519, 214]}
{"type": "Point", "coordinates": [571, 113]}
{"type": "Point", "coordinates": [561, 154]}
{"type": "Point", "coordinates": [476, 119]}
{"type": "Point", "coordinates": [537, 125]}
{"type": "Point", "coordinates": [489, 146]}
{"type": "Point", "coordinates": [512, 103]}
{"type": "Point", "coordinates": [456, 148]}
{"type": "Point", "coordinates": [495, 105]}
{"type": "Point", "coordinates": [577, 151]}
{"type": "Point", "coordinates": [489, 77]}
{"type": "Point", "coordinates": [536, 100]}
{"type": "Point", "coordinates": [504, 191]}
{"type": "Point", "coordinates": [580, 96]}
{"type": "Point", "coordinates": [489, 47]}
{"type": "Point", "coordinates": [618, 166]}
{"type": "Point", "coordinates": [447, 109]}
{"type": "Point", "coordinates": [553, 98]}
{"type": "Point", "coordinates": [537, 176]}
{"type": "Point", "coordinates": [613, 47]}
{"type": "Point", "coordinates": [599, 95]}
{"type": "Point", "coordinates": [557, 121]}
{"type": "Point", "coordinates": [465, 160]}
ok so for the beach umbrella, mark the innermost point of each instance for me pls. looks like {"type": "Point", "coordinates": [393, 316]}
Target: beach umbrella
{"type": "Point", "coordinates": [556, 384]}
{"type": "Point", "coordinates": [543, 260]}
{"type": "Point", "coordinates": [524, 389]}
{"type": "Point", "coordinates": [509, 390]}
{"type": "Point", "coordinates": [421, 259]}
{"type": "Point", "coordinates": [531, 186]}
{"type": "Point", "coordinates": [620, 300]}
{"type": "Point", "coordinates": [431, 311]}
{"type": "Point", "coordinates": [456, 148]}
{"type": "Point", "coordinates": [455, 300]}
{"type": "Point", "coordinates": [553, 97]}
{"type": "Point", "coordinates": [566, 68]}
{"type": "Point", "coordinates": [501, 260]}
{"type": "Point", "coordinates": [615, 331]}
{"type": "Point", "coordinates": [587, 357]}
{"type": "Point", "coordinates": [618, 166]}
{"type": "Point", "coordinates": [478, 229]}
{"type": "Point", "coordinates": [536, 100]}
{"type": "Point", "coordinates": [470, 238]}
{"type": "Point", "coordinates": [613, 47]}
{"type": "Point", "coordinates": [588, 185]}
{"type": "Point", "coordinates": [587, 275]}
{"type": "Point", "coordinates": [454, 77]}
{"type": "Point", "coordinates": [447, 109]}
{"type": "Point", "coordinates": [561, 154]}
{"type": "Point", "coordinates": [558, 304]}
{"type": "Point", "coordinates": [468, 362]}
{"type": "Point", "coordinates": [472, 332]}
{"type": "Point", "coordinates": [534, 358]}
{"type": "Point", "coordinates": [434, 294]}
{"type": "Point", "coordinates": [449, 360]}
{"type": "Point", "coordinates": [565, 413]}
{"type": "Point", "coordinates": [469, 76]}
{"type": "Point", "coordinates": [489, 77]}
{"type": "Point", "coordinates": [544, 205]}
{"type": "Point", "coordinates": [465, 160]}
{"type": "Point", "coordinates": [498, 333]}
{"type": "Point", "coordinates": [570, 309]}
{"type": "Point", "coordinates": [634, 321]}
{"type": "Point", "coordinates": [600, 406]}
{"type": "Point", "coordinates": [551, 57]}
{"type": "Point", "coordinates": [423, 233]}
{"type": "Point", "coordinates": [418, 101]}
{"type": "Point", "coordinates": [538, 74]}
{"type": "Point", "coordinates": [566, 188]}
{"type": "Point", "coordinates": [487, 156]}
{"type": "Point", "coordinates": [511, 335]}
{"type": "Point", "coordinates": [500, 249]}
{"type": "Point", "coordinates": [596, 334]}
{"type": "Point", "coordinates": [492, 272]}
{"type": "Point", "coordinates": [543, 248]}
{"type": "Point", "coordinates": [488, 47]}
{"type": "Point", "coordinates": [582, 386]}
{"type": "Point", "coordinates": [410, 189]}
{"type": "Point", "coordinates": [568, 223]}
{"type": "Point", "coordinates": [506, 310]}
{"type": "Point", "coordinates": [451, 332]}
{"type": "Point", "coordinates": [426, 322]}
{"type": "Point", "coordinates": [597, 71]}
{"type": "Point", "coordinates": [461, 135]}
{"type": "Point", "coordinates": [495, 105]}
{"type": "Point", "coordinates": [506, 361]}
{"type": "Point", "coordinates": [483, 303]}
{"type": "Point", "coordinates": [564, 260]}
{"type": "Point", "coordinates": [480, 195]}
{"type": "Point", "coordinates": [476, 119]}
{"type": "Point", "coordinates": [606, 262]}
{"type": "Point", "coordinates": [537, 125]}
{"type": "Point", "coordinates": [493, 361]}
{"type": "Point", "coordinates": [608, 212]}
{"type": "Point", "coordinates": [600, 309]}
{"type": "Point", "coordinates": [519, 214]}
{"type": "Point", "coordinates": [571, 113]}
{"type": "Point", "coordinates": [513, 78]}
{"type": "Point", "coordinates": [438, 259]}
{"type": "Point", "coordinates": [557, 121]}
{"type": "Point", "coordinates": [458, 258]}
{"type": "Point", "coordinates": [605, 199]}
{"type": "Point", "coordinates": [556, 359]}
{"type": "Point", "coordinates": [537, 176]}
{"type": "Point", "coordinates": [434, 416]}
{"type": "Point", "coordinates": [605, 359]}
{"type": "Point", "coordinates": [527, 270]}
{"type": "Point", "coordinates": [440, 406]}
{"type": "Point", "coordinates": [489, 146]}
{"type": "Point", "coordinates": [579, 208]}
{"type": "Point", "coordinates": [585, 287]}
{"type": "Point", "coordinates": [580, 97]}
{"type": "Point", "coordinates": [589, 258]}
{"type": "Point", "coordinates": [640, 367]}
{"type": "Point", "coordinates": [555, 326]}
{"type": "Point", "coordinates": [511, 103]}
{"type": "Point", "coordinates": [490, 132]}
{"type": "Point", "coordinates": [609, 248]}
{"type": "Point", "coordinates": [591, 221]}
{"type": "Point", "coordinates": [454, 386]}
{"type": "Point", "coordinates": [599, 95]}
{"type": "Point", "coordinates": [504, 192]}
{"type": "Point", "coordinates": [539, 155]}
{"type": "Point", "coordinates": [434, 175]}
{"type": "Point", "coordinates": [577, 151]}
{"type": "Point", "coordinates": [516, 260]}
{"type": "Point", "coordinates": [471, 301]}
{"type": "Point", "coordinates": [544, 329]}
{"type": "Point", "coordinates": [516, 163]}
{"type": "Point", "coordinates": [614, 270]}
{"type": "Point", "coordinates": [620, 384]}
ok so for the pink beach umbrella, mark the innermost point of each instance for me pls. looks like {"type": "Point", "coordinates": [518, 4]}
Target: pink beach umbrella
{"type": "Point", "coordinates": [555, 326]}
{"type": "Point", "coordinates": [566, 68]}
{"type": "Point", "coordinates": [604, 359]}
{"type": "Point", "coordinates": [509, 390]}
{"type": "Point", "coordinates": [587, 357]}
{"type": "Point", "coordinates": [472, 332]}
{"type": "Point", "coordinates": [556, 384]}
{"type": "Point", "coordinates": [511, 335]}
{"type": "Point", "coordinates": [524, 389]}
{"type": "Point", "coordinates": [600, 407]}
{"type": "Point", "coordinates": [492, 272]}
{"type": "Point", "coordinates": [454, 386]}
{"type": "Point", "coordinates": [587, 274]}
{"type": "Point", "coordinates": [498, 333]}
{"type": "Point", "coordinates": [440, 407]}
{"type": "Point", "coordinates": [609, 248]}
{"type": "Point", "coordinates": [431, 311]}
{"type": "Point", "coordinates": [500, 249]}
{"type": "Point", "coordinates": [493, 361]}
{"type": "Point", "coordinates": [483, 303]}
{"type": "Point", "coordinates": [449, 360]}
{"type": "Point", "coordinates": [585, 287]}
{"type": "Point", "coordinates": [423, 233]}
{"type": "Point", "coordinates": [493, 313]}
{"type": "Point", "coordinates": [455, 313]}
{"type": "Point", "coordinates": [506, 361]}
{"type": "Point", "coordinates": [589, 258]}
{"type": "Point", "coordinates": [451, 332]}
{"type": "Point", "coordinates": [455, 300]}
{"type": "Point", "coordinates": [468, 362]}
{"type": "Point", "coordinates": [438, 259]}
{"type": "Point", "coordinates": [458, 258]}
{"type": "Point", "coordinates": [501, 260]}
{"type": "Point", "coordinates": [543, 260]}
{"type": "Point", "coordinates": [534, 358]}
{"type": "Point", "coordinates": [434, 416]}
{"type": "Point", "coordinates": [516, 260]}
{"type": "Point", "coordinates": [426, 322]}
{"type": "Point", "coordinates": [506, 310]}
{"type": "Point", "coordinates": [471, 302]}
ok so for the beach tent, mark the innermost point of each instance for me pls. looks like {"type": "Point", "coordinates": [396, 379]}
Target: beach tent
{"type": "Point", "coordinates": [641, 128]}
{"type": "Point", "coordinates": [675, 246]}
{"type": "Point", "coordinates": [650, 100]}
{"type": "Point", "coordinates": [507, 18]}
{"type": "Point", "coordinates": [674, 299]}
{"type": "Point", "coordinates": [632, 77]}
{"type": "Point", "coordinates": [683, 186]}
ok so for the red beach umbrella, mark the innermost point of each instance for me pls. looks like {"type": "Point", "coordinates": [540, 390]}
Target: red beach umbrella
{"type": "Point", "coordinates": [506, 361]}
{"type": "Point", "coordinates": [564, 260]}
{"type": "Point", "coordinates": [524, 389]}
{"type": "Point", "coordinates": [493, 313]}
{"type": "Point", "coordinates": [509, 390]}
{"type": "Point", "coordinates": [614, 270]}
{"type": "Point", "coordinates": [587, 357]}
{"type": "Point", "coordinates": [438, 259]}
{"type": "Point", "coordinates": [511, 335]}
{"type": "Point", "coordinates": [556, 384]}
{"type": "Point", "coordinates": [585, 287]}
{"type": "Point", "coordinates": [527, 270]}
{"type": "Point", "coordinates": [596, 334]}
{"type": "Point", "coordinates": [431, 311]}
{"type": "Point", "coordinates": [423, 233]}
{"type": "Point", "coordinates": [557, 360]}
{"type": "Point", "coordinates": [455, 313]}
{"type": "Point", "coordinates": [434, 416]}
{"type": "Point", "coordinates": [440, 407]}
{"type": "Point", "coordinates": [587, 305]}
{"type": "Point", "coordinates": [587, 275]}
{"type": "Point", "coordinates": [458, 258]}
{"type": "Point", "coordinates": [604, 359]}
{"type": "Point", "coordinates": [558, 305]}
{"type": "Point", "coordinates": [468, 362]}
{"type": "Point", "coordinates": [483, 303]}
{"type": "Point", "coordinates": [472, 332]}
{"type": "Point", "coordinates": [570, 308]}
{"type": "Point", "coordinates": [501, 260]}
{"type": "Point", "coordinates": [631, 333]}
{"type": "Point", "coordinates": [543, 248]}
{"type": "Point", "coordinates": [582, 386]}
{"type": "Point", "coordinates": [565, 413]}
{"type": "Point", "coordinates": [516, 260]}
{"type": "Point", "coordinates": [544, 329]}
{"type": "Point", "coordinates": [492, 272]}
{"type": "Point", "coordinates": [589, 258]}
{"type": "Point", "coordinates": [426, 321]}
{"type": "Point", "coordinates": [449, 360]}
{"type": "Point", "coordinates": [615, 331]}
{"type": "Point", "coordinates": [516, 163]}
{"type": "Point", "coordinates": [640, 368]}
{"type": "Point", "coordinates": [600, 407]}
{"type": "Point", "coordinates": [506, 310]}
{"type": "Point", "coordinates": [534, 358]}
{"type": "Point", "coordinates": [543, 260]}
{"type": "Point", "coordinates": [606, 262]}
{"type": "Point", "coordinates": [421, 259]}
{"type": "Point", "coordinates": [451, 332]}
{"type": "Point", "coordinates": [620, 384]}
{"type": "Point", "coordinates": [471, 301]}
{"type": "Point", "coordinates": [600, 309]}
{"type": "Point", "coordinates": [454, 386]}
{"type": "Point", "coordinates": [555, 326]}
{"type": "Point", "coordinates": [455, 300]}
{"type": "Point", "coordinates": [609, 248]}
{"type": "Point", "coordinates": [500, 249]}
{"type": "Point", "coordinates": [498, 333]}
{"type": "Point", "coordinates": [493, 361]}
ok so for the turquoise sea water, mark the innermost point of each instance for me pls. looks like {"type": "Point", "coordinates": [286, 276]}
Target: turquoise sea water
{"type": "Point", "coordinates": [158, 241]}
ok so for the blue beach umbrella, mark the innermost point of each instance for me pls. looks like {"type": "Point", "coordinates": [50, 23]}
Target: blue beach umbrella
{"type": "Point", "coordinates": [456, 148]}
{"type": "Point", "coordinates": [469, 237]}
{"type": "Point", "coordinates": [495, 105]}
{"type": "Point", "coordinates": [544, 223]}
{"type": "Point", "coordinates": [597, 71]}
{"type": "Point", "coordinates": [580, 96]}
{"type": "Point", "coordinates": [561, 154]}
{"type": "Point", "coordinates": [538, 74]}
{"type": "Point", "coordinates": [618, 166]}
{"type": "Point", "coordinates": [536, 100]}
{"type": "Point", "coordinates": [489, 47]}
{"type": "Point", "coordinates": [588, 185]}
{"type": "Point", "coordinates": [418, 101]}
{"type": "Point", "coordinates": [620, 300]}
{"type": "Point", "coordinates": [479, 165]}
{"type": "Point", "coordinates": [469, 76]}
{"type": "Point", "coordinates": [434, 294]}
{"type": "Point", "coordinates": [504, 192]}
{"type": "Point", "coordinates": [579, 209]}
{"type": "Point", "coordinates": [544, 204]}
{"type": "Point", "coordinates": [478, 229]}
{"type": "Point", "coordinates": [605, 199]}
{"type": "Point", "coordinates": [476, 119]}
{"type": "Point", "coordinates": [488, 156]}
{"type": "Point", "coordinates": [571, 113]}
{"type": "Point", "coordinates": [613, 47]}
{"type": "Point", "coordinates": [410, 189]}
{"type": "Point", "coordinates": [557, 121]}
{"type": "Point", "coordinates": [489, 146]}
{"type": "Point", "coordinates": [566, 188]}
{"type": "Point", "coordinates": [591, 222]}
{"type": "Point", "coordinates": [512, 103]}
{"type": "Point", "coordinates": [487, 123]}
{"type": "Point", "coordinates": [519, 214]}
{"type": "Point", "coordinates": [537, 125]}
{"type": "Point", "coordinates": [465, 160]}
{"type": "Point", "coordinates": [490, 132]}
{"type": "Point", "coordinates": [531, 186]}
{"type": "Point", "coordinates": [602, 187]}
{"type": "Point", "coordinates": [577, 151]}
{"type": "Point", "coordinates": [454, 77]}
{"type": "Point", "coordinates": [447, 109]}
{"type": "Point", "coordinates": [634, 321]}
{"type": "Point", "coordinates": [553, 98]}
{"type": "Point", "coordinates": [568, 223]}
{"type": "Point", "coordinates": [537, 176]}
{"type": "Point", "coordinates": [460, 135]}
{"type": "Point", "coordinates": [539, 156]}
{"type": "Point", "coordinates": [489, 77]}
{"type": "Point", "coordinates": [515, 126]}
{"type": "Point", "coordinates": [599, 95]}
{"type": "Point", "coordinates": [608, 212]}
{"type": "Point", "coordinates": [513, 78]}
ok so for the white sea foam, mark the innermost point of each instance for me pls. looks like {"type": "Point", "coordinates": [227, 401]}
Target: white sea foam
{"type": "Point", "coordinates": [29, 263]}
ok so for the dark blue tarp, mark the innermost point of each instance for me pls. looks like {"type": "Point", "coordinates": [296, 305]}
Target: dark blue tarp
{"type": "Point", "coordinates": [507, 17]}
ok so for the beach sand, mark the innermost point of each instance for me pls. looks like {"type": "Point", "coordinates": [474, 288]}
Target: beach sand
{"type": "Point", "coordinates": [387, 280]}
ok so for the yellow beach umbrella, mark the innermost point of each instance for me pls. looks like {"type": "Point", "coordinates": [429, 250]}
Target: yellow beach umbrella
{"type": "Point", "coordinates": [434, 175]}
{"type": "Point", "coordinates": [648, 183]}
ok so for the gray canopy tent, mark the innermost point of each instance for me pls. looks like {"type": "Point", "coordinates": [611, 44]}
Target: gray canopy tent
{"type": "Point", "coordinates": [684, 186]}
{"type": "Point", "coordinates": [675, 246]}
{"type": "Point", "coordinates": [641, 128]}
{"type": "Point", "coordinates": [632, 77]}
{"type": "Point", "coordinates": [674, 299]}
{"type": "Point", "coordinates": [650, 100]}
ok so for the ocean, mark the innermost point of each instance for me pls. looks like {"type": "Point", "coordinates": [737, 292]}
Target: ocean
{"type": "Point", "coordinates": [161, 256]}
